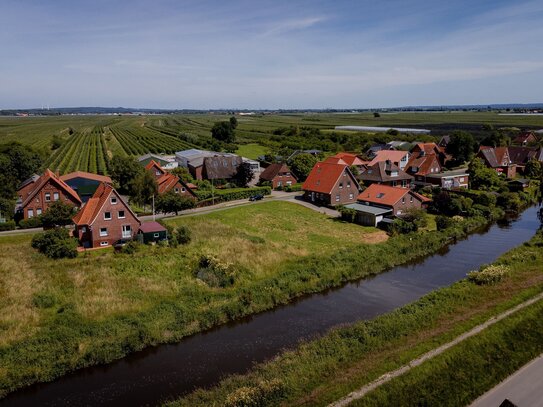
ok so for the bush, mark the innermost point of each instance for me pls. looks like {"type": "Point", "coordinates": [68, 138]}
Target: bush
{"type": "Point", "coordinates": [131, 247]}
{"type": "Point", "coordinates": [263, 393]}
{"type": "Point", "coordinates": [293, 188]}
{"type": "Point", "coordinates": [215, 273]}
{"type": "Point", "coordinates": [43, 300]}
{"type": "Point", "coordinates": [226, 195]}
{"type": "Point", "coordinates": [183, 235]}
{"type": "Point", "coordinates": [488, 275]}
{"type": "Point", "coordinates": [55, 243]}
{"type": "Point", "coordinates": [402, 227]}
{"type": "Point", "coordinates": [509, 201]}
{"type": "Point", "coordinates": [443, 222]}
{"type": "Point", "coordinates": [9, 225]}
{"type": "Point", "coordinates": [34, 222]}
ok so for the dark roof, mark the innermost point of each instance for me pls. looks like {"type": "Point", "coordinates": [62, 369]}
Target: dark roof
{"type": "Point", "coordinates": [86, 175]}
{"type": "Point", "coordinates": [273, 170]}
{"type": "Point", "coordinates": [382, 172]}
{"type": "Point", "coordinates": [221, 166]}
{"type": "Point", "coordinates": [152, 227]}
{"type": "Point", "coordinates": [521, 155]}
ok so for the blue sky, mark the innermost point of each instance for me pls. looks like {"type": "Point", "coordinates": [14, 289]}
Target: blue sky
{"type": "Point", "coordinates": [269, 54]}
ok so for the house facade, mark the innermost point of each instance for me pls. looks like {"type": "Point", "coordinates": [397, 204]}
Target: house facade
{"type": "Point", "coordinates": [525, 139]}
{"type": "Point", "coordinates": [426, 159]}
{"type": "Point", "coordinates": [36, 194]}
{"type": "Point", "coordinates": [330, 184]}
{"type": "Point", "coordinates": [498, 159]}
{"type": "Point", "coordinates": [105, 219]}
{"type": "Point", "coordinates": [450, 179]}
{"type": "Point", "coordinates": [167, 181]}
{"type": "Point", "coordinates": [279, 175]}
{"type": "Point", "coordinates": [398, 200]}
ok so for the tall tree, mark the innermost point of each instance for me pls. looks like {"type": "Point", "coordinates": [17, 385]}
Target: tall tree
{"type": "Point", "coordinates": [123, 171]}
{"type": "Point", "coordinates": [302, 164]}
{"type": "Point", "coordinates": [143, 188]}
{"type": "Point", "coordinates": [482, 177]}
{"type": "Point", "coordinates": [461, 146]}
{"type": "Point", "coordinates": [223, 131]}
{"type": "Point", "coordinates": [244, 175]}
{"type": "Point", "coordinates": [171, 202]}
{"type": "Point", "coordinates": [58, 214]}
{"type": "Point", "coordinates": [233, 122]}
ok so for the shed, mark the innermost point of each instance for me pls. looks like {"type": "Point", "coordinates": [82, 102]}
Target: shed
{"type": "Point", "coordinates": [152, 232]}
{"type": "Point", "coordinates": [368, 215]}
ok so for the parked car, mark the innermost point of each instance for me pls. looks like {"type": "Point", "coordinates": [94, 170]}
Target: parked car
{"type": "Point", "coordinates": [256, 197]}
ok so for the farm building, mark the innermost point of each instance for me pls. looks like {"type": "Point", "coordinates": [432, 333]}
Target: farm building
{"type": "Point", "coordinates": [367, 215]}
{"type": "Point", "coordinates": [209, 164]}
{"type": "Point", "coordinates": [152, 232]}
{"type": "Point", "coordinates": [166, 162]}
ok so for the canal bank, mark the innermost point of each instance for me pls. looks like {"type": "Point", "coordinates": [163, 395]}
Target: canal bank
{"type": "Point", "coordinates": [201, 360]}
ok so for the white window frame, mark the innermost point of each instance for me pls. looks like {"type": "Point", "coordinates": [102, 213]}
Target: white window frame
{"type": "Point", "coordinates": [56, 196]}
{"type": "Point", "coordinates": [156, 235]}
{"type": "Point", "coordinates": [113, 200]}
{"type": "Point", "coordinates": [107, 218]}
{"type": "Point", "coordinates": [38, 211]}
{"type": "Point", "coordinates": [351, 196]}
{"type": "Point", "coordinates": [337, 198]}
{"type": "Point", "coordinates": [47, 197]}
{"type": "Point", "coordinates": [103, 233]}
{"type": "Point", "coordinates": [119, 215]}
{"type": "Point", "coordinates": [105, 243]}
{"type": "Point", "coordinates": [126, 233]}
{"type": "Point", "coordinates": [176, 190]}
{"type": "Point", "coordinates": [30, 213]}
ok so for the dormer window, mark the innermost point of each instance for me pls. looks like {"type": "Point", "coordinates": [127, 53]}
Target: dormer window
{"type": "Point", "coordinates": [394, 174]}
{"type": "Point", "coordinates": [380, 195]}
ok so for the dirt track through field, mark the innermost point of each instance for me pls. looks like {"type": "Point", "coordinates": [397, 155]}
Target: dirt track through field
{"type": "Point", "coordinates": [358, 394]}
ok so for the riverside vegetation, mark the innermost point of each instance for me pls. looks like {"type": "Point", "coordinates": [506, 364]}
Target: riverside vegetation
{"type": "Point", "coordinates": [324, 370]}
{"type": "Point", "coordinates": [65, 314]}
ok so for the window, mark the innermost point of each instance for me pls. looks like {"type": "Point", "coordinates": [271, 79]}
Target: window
{"type": "Point", "coordinates": [289, 182]}
{"type": "Point", "coordinates": [158, 172]}
{"type": "Point", "coordinates": [279, 183]}
{"type": "Point", "coordinates": [403, 200]}
{"type": "Point", "coordinates": [380, 195]}
{"type": "Point", "coordinates": [337, 198]}
{"type": "Point", "coordinates": [348, 184]}
{"type": "Point", "coordinates": [411, 198]}
{"type": "Point", "coordinates": [156, 235]}
{"type": "Point", "coordinates": [114, 200]}
{"type": "Point", "coordinates": [351, 196]}
{"type": "Point", "coordinates": [462, 179]}
{"type": "Point", "coordinates": [103, 231]}
{"type": "Point", "coordinates": [104, 243]}
{"type": "Point", "coordinates": [127, 231]}
{"type": "Point", "coordinates": [107, 215]}
{"type": "Point", "coordinates": [83, 229]}
{"type": "Point", "coordinates": [394, 174]}
{"type": "Point", "coordinates": [55, 196]}
{"type": "Point", "coordinates": [183, 189]}
{"type": "Point", "coordinates": [340, 185]}
{"type": "Point", "coordinates": [176, 190]}
{"type": "Point", "coordinates": [121, 215]}
{"type": "Point", "coordinates": [47, 197]}
{"type": "Point", "coordinates": [31, 213]}
{"type": "Point", "coordinates": [38, 211]}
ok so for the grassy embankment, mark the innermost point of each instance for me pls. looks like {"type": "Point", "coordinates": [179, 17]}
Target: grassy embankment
{"type": "Point", "coordinates": [327, 369]}
{"type": "Point", "coordinates": [58, 316]}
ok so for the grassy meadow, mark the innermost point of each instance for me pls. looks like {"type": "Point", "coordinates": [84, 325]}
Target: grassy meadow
{"type": "Point", "coordinates": [324, 370]}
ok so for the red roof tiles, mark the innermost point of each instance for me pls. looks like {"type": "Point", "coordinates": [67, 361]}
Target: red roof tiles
{"type": "Point", "coordinates": [324, 176]}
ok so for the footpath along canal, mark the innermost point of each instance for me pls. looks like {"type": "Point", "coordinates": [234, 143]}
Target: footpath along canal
{"type": "Point", "coordinates": [165, 372]}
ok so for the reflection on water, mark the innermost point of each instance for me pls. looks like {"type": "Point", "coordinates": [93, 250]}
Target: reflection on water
{"type": "Point", "coordinates": [167, 371]}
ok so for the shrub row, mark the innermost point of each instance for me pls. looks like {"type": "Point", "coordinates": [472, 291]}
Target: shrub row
{"type": "Point", "coordinates": [225, 195]}
{"type": "Point", "coordinates": [9, 225]}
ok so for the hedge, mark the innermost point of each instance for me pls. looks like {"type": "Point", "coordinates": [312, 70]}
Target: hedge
{"type": "Point", "coordinates": [29, 223]}
{"type": "Point", "coordinates": [225, 195]}
{"type": "Point", "coordinates": [9, 225]}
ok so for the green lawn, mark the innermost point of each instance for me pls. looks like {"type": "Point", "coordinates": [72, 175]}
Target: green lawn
{"type": "Point", "coordinates": [252, 150]}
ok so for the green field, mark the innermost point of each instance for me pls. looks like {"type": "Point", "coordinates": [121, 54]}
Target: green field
{"type": "Point", "coordinates": [89, 142]}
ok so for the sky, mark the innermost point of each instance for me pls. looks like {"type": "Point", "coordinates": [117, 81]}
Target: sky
{"type": "Point", "coordinates": [202, 54]}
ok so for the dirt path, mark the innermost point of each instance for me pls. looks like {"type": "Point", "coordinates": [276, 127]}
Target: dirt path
{"type": "Point", "coordinates": [358, 394]}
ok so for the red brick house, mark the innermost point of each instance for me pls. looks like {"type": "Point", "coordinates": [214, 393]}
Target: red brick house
{"type": "Point", "coordinates": [397, 199]}
{"type": "Point", "coordinates": [385, 172]}
{"type": "Point", "coordinates": [498, 159]}
{"type": "Point", "coordinates": [155, 169]}
{"type": "Point", "coordinates": [37, 193]}
{"type": "Point", "coordinates": [168, 182]}
{"type": "Point", "coordinates": [105, 219]}
{"type": "Point", "coordinates": [330, 184]}
{"type": "Point", "coordinates": [426, 159]}
{"type": "Point", "coordinates": [400, 158]}
{"type": "Point", "coordinates": [279, 175]}
{"type": "Point", "coordinates": [351, 159]}
{"type": "Point", "coordinates": [525, 139]}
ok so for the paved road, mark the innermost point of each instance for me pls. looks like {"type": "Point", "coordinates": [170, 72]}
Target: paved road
{"type": "Point", "coordinates": [523, 388]}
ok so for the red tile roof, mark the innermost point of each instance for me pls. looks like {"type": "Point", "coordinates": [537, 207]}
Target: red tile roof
{"type": "Point", "coordinates": [350, 159]}
{"type": "Point", "coordinates": [335, 160]}
{"type": "Point", "coordinates": [391, 155]}
{"type": "Point", "coordinates": [87, 175]}
{"type": "Point", "coordinates": [387, 195]}
{"type": "Point", "coordinates": [50, 175]}
{"type": "Point", "coordinates": [324, 176]}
